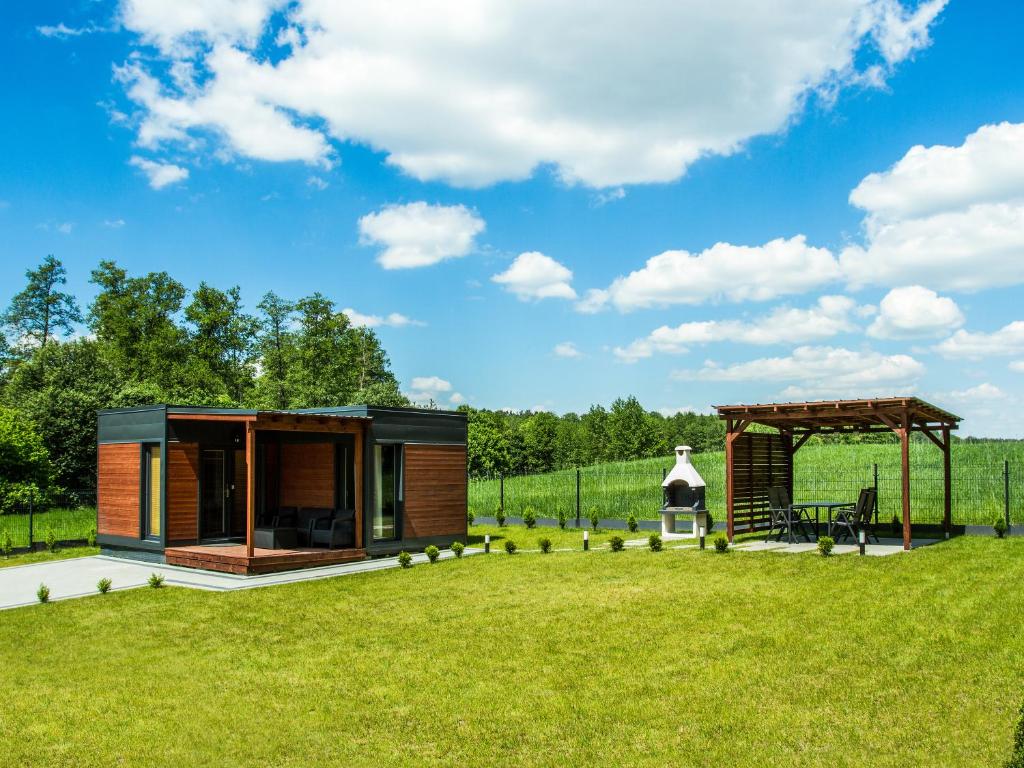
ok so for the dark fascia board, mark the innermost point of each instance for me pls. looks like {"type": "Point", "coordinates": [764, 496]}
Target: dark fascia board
{"type": "Point", "coordinates": [370, 410]}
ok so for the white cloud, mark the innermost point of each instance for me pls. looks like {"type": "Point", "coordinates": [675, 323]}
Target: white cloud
{"type": "Point", "coordinates": [722, 272]}
{"type": "Point", "coordinates": [567, 349]}
{"type": "Point", "coordinates": [317, 183]}
{"type": "Point", "coordinates": [456, 398]}
{"type": "Point", "coordinates": [66, 227]}
{"type": "Point", "coordinates": [823, 372]}
{"type": "Point", "coordinates": [160, 174]}
{"type": "Point", "coordinates": [981, 392]}
{"type": "Point", "coordinates": [783, 325]}
{"type": "Point", "coordinates": [1008, 340]}
{"type": "Point", "coordinates": [418, 234]}
{"type": "Point", "coordinates": [393, 320]}
{"type": "Point", "coordinates": [62, 31]}
{"type": "Point", "coordinates": [915, 312]}
{"type": "Point", "coordinates": [424, 389]}
{"type": "Point", "coordinates": [1017, 366]}
{"type": "Point", "coordinates": [948, 217]}
{"type": "Point", "coordinates": [603, 197]}
{"type": "Point", "coordinates": [535, 276]}
{"type": "Point", "coordinates": [477, 91]}
{"type": "Point", "coordinates": [113, 223]}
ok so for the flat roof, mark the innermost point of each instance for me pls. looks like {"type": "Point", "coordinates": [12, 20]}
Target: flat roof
{"type": "Point", "coordinates": [865, 415]}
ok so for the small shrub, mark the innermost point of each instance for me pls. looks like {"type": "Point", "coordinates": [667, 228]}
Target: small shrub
{"type": "Point", "coordinates": [825, 544]}
{"type": "Point", "coordinates": [544, 544]}
{"type": "Point", "coordinates": [510, 546]}
{"type": "Point", "coordinates": [710, 525]}
{"type": "Point", "coordinates": [91, 538]}
{"type": "Point", "coordinates": [616, 543]}
{"type": "Point", "coordinates": [432, 553]}
{"type": "Point", "coordinates": [999, 526]}
{"type": "Point", "coordinates": [499, 516]}
{"type": "Point", "coordinates": [897, 525]}
{"type": "Point", "coordinates": [632, 524]}
{"type": "Point", "coordinates": [563, 519]}
{"type": "Point", "coordinates": [529, 517]}
{"type": "Point", "coordinates": [458, 548]}
{"type": "Point", "coordinates": [51, 540]}
{"type": "Point", "coordinates": [594, 517]}
{"type": "Point", "coordinates": [156, 580]}
{"type": "Point", "coordinates": [6, 544]}
{"type": "Point", "coordinates": [405, 559]}
{"type": "Point", "coordinates": [654, 542]}
{"type": "Point", "coordinates": [103, 585]}
{"type": "Point", "coordinates": [470, 516]}
{"type": "Point", "coordinates": [43, 593]}
{"type": "Point", "coordinates": [721, 543]}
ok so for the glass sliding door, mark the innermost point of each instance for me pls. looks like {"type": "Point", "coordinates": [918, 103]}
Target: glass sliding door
{"type": "Point", "coordinates": [387, 491]}
{"type": "Point", "coordinates": [151, 500]}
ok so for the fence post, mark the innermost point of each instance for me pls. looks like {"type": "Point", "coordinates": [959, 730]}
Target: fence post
{"type": "Point", "coordinates": [577, 497]}
{"type": "Point", "coordinates": [501, 503]}
{"type": "Point", "coordinates": [31, 511]}
{"type": "Point", "coordinates": [876, 493]}
{"type": "Point", "coordinates": [1006, 491]}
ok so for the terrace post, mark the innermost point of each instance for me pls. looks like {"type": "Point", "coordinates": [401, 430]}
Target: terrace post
{"type": "Point", "coordinates": [728, 481]}
{"type": "Point", "coordinates": [250, 488]}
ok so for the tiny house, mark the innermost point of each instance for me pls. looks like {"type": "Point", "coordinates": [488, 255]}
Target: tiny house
{"type": "Point", "coordinates": [248, 491]}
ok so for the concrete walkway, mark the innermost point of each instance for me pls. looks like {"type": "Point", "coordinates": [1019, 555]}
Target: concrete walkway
{"type": "Point", "coordinates": [77, 577]}
{"type": "Point", "coordinates": [883, 548]}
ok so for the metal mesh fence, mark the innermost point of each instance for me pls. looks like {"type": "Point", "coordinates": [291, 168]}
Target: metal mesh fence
{"type": "Point", "coordinates": [981, 491]}
{"type": "Point", "coordinates": [62, 518]}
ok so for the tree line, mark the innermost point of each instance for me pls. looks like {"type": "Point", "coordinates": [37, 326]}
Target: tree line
{"type": "Point", "coordinates": [151, 340]}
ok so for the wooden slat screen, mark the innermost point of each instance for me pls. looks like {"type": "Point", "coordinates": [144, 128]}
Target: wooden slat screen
{"type": "Point", "coordinates": [119, 474]}
{"type": "Point", "coordinates": [435, 491]}
{"type": "Point", "coordinates": [759, 462]}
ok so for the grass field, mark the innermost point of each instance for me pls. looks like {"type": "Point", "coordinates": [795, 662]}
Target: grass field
{"type": "Point", "coordinates": [64, 553]}
{"type": "Point", "coordinates": [67, 524]}
{"type": "Point", "coordinates": [635, 658]}
{"type": "Point", "coordinates": [820, 471]}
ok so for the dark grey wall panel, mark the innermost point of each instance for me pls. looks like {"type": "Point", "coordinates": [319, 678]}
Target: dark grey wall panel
{"type": "Point", "coordinates": [132, 425]}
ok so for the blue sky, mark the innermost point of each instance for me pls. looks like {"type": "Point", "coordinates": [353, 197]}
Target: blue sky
{"type": "Point", "coordinates": [400, 163]}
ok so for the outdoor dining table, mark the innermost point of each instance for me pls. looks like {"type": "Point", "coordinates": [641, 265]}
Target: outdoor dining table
{"type": "Point", "coordinates": [818, 506]}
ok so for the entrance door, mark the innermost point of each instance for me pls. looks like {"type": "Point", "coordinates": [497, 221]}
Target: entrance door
{"type": "Point", "coordinates": [213, 519]}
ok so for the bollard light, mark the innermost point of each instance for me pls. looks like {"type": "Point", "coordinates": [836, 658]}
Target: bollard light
{"type": "Point", "coordinates": [862, 536]}
{"type": "Point", "coordinates": [586, 540]}
{"type": "Point", "coordinates": [487, 543]}
{"type": "Point", "coordinates": [702, 537]}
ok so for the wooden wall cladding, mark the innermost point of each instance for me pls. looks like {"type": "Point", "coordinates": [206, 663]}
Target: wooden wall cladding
{"type": "Point", "coordinates": [182, 492]}
{"type": "Point", "coordinates": [307, 475]}
{"type": "Point", "coordinates": [118, 489]}
{"type": "Point", "coordinates": [435, 491]}
{"type": "Point", "coordinates": [759, 461]}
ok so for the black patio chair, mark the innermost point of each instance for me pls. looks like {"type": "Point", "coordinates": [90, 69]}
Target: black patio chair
{"type": "Point", "coordinates": [337, 531]}
{"type": "Point", "coordinates": [784, 518]}
{"type": "Point", "coordinates": [852, 519]}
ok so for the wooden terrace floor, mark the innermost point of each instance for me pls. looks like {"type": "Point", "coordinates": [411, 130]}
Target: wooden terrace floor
{"type": "Point", "coordinates": [232, 558]}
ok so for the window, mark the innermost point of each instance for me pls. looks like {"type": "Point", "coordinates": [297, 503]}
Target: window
{"type": "Point", "coordinates": [387, 491]}
{"type": "Point", "coordinates": [151, 495]}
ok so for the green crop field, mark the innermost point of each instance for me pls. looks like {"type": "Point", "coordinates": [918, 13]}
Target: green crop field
{"type": "Point", "coordinates": [826, 472]}
{"type": "Point", "coordinates": [680, 658]}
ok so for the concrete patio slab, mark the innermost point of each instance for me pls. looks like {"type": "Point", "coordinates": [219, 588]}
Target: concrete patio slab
{"type": "Point", "coordinates": [883, 548]}
{"type": "Point", "coordinates": [77, 577]}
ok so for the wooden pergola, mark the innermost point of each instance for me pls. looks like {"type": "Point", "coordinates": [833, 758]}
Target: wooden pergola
{"type": "Point", "coordinates": [755, 461]}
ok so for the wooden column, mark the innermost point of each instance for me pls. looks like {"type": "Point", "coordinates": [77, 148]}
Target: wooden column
{"type": "Point", "coordinates": [947, 500]}
{"type": "Point", "coordinates": [358, 495]}
{"type": "Point", "coordinates": [250, 488]}
{"type": "Point", "coordinates": [728, 480]}
{"type": "Point", "coordinates": [904, 434]}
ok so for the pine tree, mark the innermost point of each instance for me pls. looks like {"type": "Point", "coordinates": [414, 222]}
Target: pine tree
{"type": "Point", "coordinates": [42, 311]}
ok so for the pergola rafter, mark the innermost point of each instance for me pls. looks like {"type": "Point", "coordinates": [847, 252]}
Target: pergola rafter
{"type": "Point", "coordinates": [798, 422]}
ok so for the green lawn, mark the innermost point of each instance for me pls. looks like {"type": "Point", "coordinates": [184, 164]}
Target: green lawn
{"type": "Point", "coordinates": [831, 472]}
{"type": "Point", "coordinates": [63, 553]}
{"type": "Point", "coordinates": [635, 658]}
{"type": "Point", "coordinates": [526, 539]}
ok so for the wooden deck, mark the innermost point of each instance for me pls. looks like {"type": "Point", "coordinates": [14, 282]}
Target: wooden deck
{"type": "Point", "coordinates": [232, 558]}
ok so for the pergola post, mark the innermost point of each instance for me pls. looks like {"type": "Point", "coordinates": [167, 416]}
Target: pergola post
{"type": "Point", "coordinates": [250, 488]}
{"type": "Point", "coordinates": [733, 429]}
{"type": "Point", "coordinates": [904, 433]}
{"type": "Point", "coordinates": [947, 500]}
